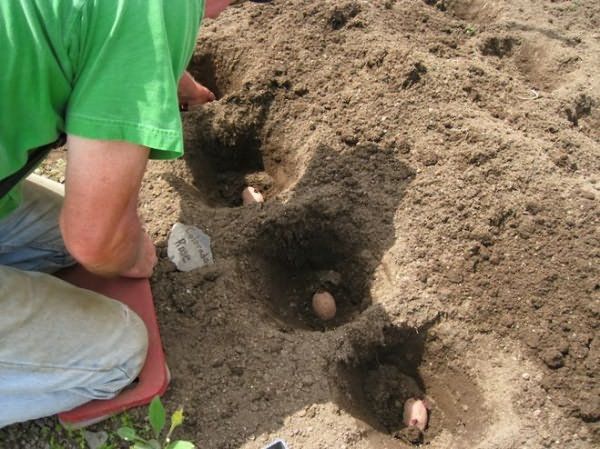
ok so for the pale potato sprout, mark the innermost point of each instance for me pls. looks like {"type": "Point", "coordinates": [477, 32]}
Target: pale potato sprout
{"type": "Point", "coordinates": [415, 413]}
{"type": "Point", "coordinates": [251, 196]}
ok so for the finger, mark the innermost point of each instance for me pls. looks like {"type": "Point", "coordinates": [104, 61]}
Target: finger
{"type": "Point", "coordinates": [205, 95]}
{"type": "Point", "coordinates": [202, 96]}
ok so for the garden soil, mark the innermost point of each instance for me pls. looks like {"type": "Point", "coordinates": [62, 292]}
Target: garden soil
{"type": "Point", "coordinates": [435, 165]}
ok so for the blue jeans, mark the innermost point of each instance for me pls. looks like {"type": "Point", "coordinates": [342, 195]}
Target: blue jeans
{"type": "Point", "coordinates": [60, 346]}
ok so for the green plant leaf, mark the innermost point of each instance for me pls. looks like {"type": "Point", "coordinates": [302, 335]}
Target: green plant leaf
{"type": "Point", "coordinates": [127, 433]}
{"type": "Point", "coordinates": [176, 419]}
{"type": "Point", "coordinates": [154, 444]}
{"type": "Point", "coordinates": [181, 445]}
{"type": "Point", "coordinates": [157, 416]}
{"type": "Point", "coordinates": [141, 445]}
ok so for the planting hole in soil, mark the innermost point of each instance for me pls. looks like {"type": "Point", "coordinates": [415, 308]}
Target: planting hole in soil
{"type": "Point", "coordinates": [227, 148]}
{"type": "Point", "coordinates": [204, 70]}
{"type": "Point", "coordinates": [222, 166]}
{"type": "Point", "coordinates": [297, 259]}
{"type": "Point", "coordinates": [211, 68]}
{"type": "Point", "coordinates": [226, 151]}
{"type": "Point", "coordinates": [411, 363]}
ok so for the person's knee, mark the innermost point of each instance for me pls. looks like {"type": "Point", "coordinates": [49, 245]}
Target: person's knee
{"type": "Point", "coordinates": [137, 335]}
{"type": "Point", "coordinates": [129, 358]}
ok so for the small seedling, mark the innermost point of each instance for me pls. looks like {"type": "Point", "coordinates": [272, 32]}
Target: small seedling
{"type": "Point", "coordinates": [157, 418]}
{"type": "Point", "coordinates": [54, 444]}
{"type": "Point", "coordinates": [125, 420]}
{"type": "Point", "coordinates": [470, 30]}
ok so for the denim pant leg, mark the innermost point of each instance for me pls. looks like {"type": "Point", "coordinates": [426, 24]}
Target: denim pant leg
{"type": "Point", "coordinates": [60, 346]}
{"type": "Point", "coordinates": [30, 237]}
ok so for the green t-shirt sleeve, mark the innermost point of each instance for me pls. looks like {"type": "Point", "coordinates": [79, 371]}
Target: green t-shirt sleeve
{"type": "Point", "coordinates": [128, 56]}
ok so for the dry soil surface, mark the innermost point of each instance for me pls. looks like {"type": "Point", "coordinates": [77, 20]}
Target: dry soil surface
{"type": "Point", "coordinates": [435, 165]}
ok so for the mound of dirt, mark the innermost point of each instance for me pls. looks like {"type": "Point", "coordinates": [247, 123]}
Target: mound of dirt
{"type": "Point", "coordinates": [436, 165]}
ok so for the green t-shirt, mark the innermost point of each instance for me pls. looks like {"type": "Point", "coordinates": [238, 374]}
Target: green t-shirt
{"type": "Point", "coordinates": [101, 69]}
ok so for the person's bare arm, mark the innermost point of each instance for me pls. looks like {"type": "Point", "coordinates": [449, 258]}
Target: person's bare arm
{"type": "Point", "coordinates": [214, 7]}
{"type": "Point", "coordinates": [99, 219]}
{"type": "Point", "coordinates": [191, 93]}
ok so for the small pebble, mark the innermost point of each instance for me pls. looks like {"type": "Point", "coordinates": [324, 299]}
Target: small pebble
{"type": "Point", "coordinates": [553, 358]}
{"type": "Point", "coordinates": [95, 440]}
{"type": "Point", "coordinates": [525, 376]}
{"type": "Point", "coordinates": [588, 195]}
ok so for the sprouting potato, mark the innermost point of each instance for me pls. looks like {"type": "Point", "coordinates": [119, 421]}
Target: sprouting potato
{"type": "Point", "coordinates": [251, 196]}
{"type": "Point", "coordinates": [415, 413]}
{"type": "Point", "coordinates": [323, 304]}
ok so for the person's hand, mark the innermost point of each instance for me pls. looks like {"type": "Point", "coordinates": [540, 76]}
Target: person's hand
{"type": "Point", "coordinates": [191, 93]}
{"type": "Point", "coordinates": [146, 261]}
{"type": "Point", "coordinates": [214, 7]}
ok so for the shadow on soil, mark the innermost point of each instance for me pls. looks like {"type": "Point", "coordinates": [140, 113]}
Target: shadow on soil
{"type": "Point", "coordinates": [245, 339]}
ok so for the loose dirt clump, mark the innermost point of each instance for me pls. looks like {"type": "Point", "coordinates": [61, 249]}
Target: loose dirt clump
{"type": "Point", "coordinates": [581, 108]}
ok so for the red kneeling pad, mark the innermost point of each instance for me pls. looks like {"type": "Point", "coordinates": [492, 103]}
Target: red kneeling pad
{"type": "Point", "coordinates": [154, 377]}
